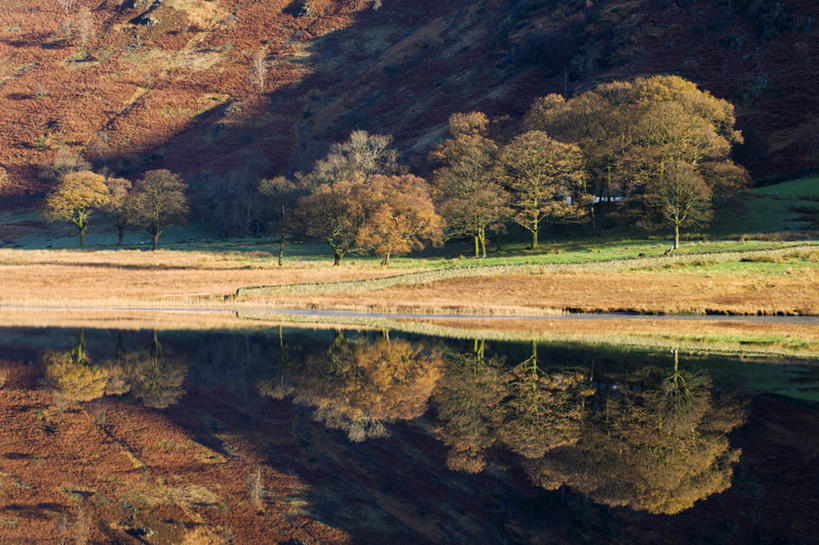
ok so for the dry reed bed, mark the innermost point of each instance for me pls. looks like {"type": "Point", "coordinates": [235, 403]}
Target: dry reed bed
{"type": "Point", "coordinates": [726, 336]}
{"type": "Point", "coordinates": [718, 337]}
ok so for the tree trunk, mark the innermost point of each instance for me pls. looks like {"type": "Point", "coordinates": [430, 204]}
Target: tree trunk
{"type": "Point", "coordinates": [120, 234]}
{"type": "Point", "coordinates": [82, 236]}
{"type": "Point", "coordinates": [534, 357]}
{"type": "Point", "coordinates": [477, 250]}
{"type": "Point", "coordinates": [534, 235]}
{"type": "Point", "coordinates": [386, 260]}
{"type": "Point", "coordinates": [593, 218]}
{"type": "Point", "coordinates": [676, 236]}
{"type": "Point", "coordinates": [483, 244]}
{"type": "Point", "coordinates": [281, 247]}
{"type": "Point", "coordinates": [155, 241]}
{"type": "Point", "coordinates": [337, 258]}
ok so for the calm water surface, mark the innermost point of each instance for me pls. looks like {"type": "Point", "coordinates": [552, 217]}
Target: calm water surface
{"type": "Point", "coordinates": [322, 436]}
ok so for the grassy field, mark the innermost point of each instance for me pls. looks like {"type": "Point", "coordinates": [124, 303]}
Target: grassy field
{"type": "Point", "coordinates": [768, 278]}
{"type": "Point", "coordinates": [770, 208]}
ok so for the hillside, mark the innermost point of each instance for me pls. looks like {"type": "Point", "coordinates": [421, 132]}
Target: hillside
{"type": "Point", "coordinates": [166, 83]}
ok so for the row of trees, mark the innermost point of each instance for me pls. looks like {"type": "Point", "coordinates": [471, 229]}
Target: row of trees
{"type": "Point", "coordinates": [154, 202]}
{"type": "Point", "coordinates": [653, 152]}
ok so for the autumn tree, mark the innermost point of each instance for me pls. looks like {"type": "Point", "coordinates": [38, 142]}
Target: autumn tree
{"type": "Point", "coordinates": [117, 205]}
{"type": "Point", "coordinates": [77, 196]}
{"type": "Point", "coordinates": [545, 180]}
{"type": "Point", "coordinates": [631, 131]}
{"type": "Point", "coordinates": [470, 198]}
{"type": "Point", "coordinates": [680, 198]}
{"type": "Point", "coordinates": [400, 216]}
{"type": "Point", "coordinates": [157, 202]}
{"type": "Point", "coordinates": [284, 195]}
{"type": "Point", "coordinates": [335, 213]}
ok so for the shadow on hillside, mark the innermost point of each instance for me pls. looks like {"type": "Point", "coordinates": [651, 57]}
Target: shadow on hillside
{"type": "Point", "coordinates": [355, 78]}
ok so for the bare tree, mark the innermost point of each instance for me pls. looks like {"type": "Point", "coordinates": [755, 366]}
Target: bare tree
{"type": "Point", "coordinates": [67, 5]}
{"type": "Point", "coordinates": [680, 198]}
{"type": "Point", "coordinates": [85, 27]}
{"type": "Point", "coordinates": [66, 29]}
{"type": "Point", "coordinates": [259, 69]}
{"type": "Point", "coordinates": [256, 488]}
{"type": "Point", "coordinates": [5, 182]}
{"type": "Point", "coordinates": [158, 201]}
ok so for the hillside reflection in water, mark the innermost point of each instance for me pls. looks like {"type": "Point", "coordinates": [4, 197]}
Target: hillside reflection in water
{"type": "Point", "coordinates": [363, 437]}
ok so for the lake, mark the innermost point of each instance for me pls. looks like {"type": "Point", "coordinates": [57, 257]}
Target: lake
{"type": "Point", "coordinates": [322, 435]}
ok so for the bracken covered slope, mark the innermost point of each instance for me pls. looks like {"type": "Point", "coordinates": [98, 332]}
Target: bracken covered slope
{"type": "Point", "coordinates": [166, 83]}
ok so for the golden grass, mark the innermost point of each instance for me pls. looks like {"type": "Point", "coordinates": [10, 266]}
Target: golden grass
{"type": "Point", "coordinates": [174, 279]}
{"type": "Point", "coordinates": [636, 291]}
{"type": "Point", "coordinates": [723, 336]}
{"type": "Point", "coordinates": [161, 278]}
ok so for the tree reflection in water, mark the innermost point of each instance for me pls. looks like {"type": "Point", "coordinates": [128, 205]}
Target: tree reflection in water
{"type": "Point", "coordinates": [650, 438]}
{"type": "Point", "coordinates": [151, 377]}
{"type": "Point", "coordinates": [654, 440]}
{"type": "Point", "coordinates": [155, 380]}
{"type": "Point", "coordinates": [359, 386]}
{"type": "Point", "coordinates": [71, 375]}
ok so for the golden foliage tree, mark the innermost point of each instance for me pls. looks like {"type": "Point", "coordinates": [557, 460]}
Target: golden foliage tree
{"type": "Point", "coordinates": [400, 216]}
{"type": "Point", "coordinates": [77, 196]}
{"type": "Point", "coordinates": [158, 201]}
{"type": "Point", "coordinates": [470, 198]}
{"type": "Point", "coordinates": [631, 131]}
{"type": "Point", "coordinates": [340, 198]}
{"type": "Point", "coordinates": [335, 213]}
{"type": "Point", "coordinates": [545, 180]}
